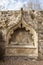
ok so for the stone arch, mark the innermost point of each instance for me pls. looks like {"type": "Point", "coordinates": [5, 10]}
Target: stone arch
{"type": "Point", "coordinates": [21, 36]}
{"type": "Point", "coordinates": [27, 27]}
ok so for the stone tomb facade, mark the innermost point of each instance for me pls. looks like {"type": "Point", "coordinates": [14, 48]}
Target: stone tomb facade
{"type": "Point", "coordinates": [20, 34]}
{"type": "Point", "coordinates": [22, 40]}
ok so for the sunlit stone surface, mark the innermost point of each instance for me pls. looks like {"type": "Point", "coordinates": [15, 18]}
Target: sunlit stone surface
{"type": "Point", "coordinates": [22, 33]}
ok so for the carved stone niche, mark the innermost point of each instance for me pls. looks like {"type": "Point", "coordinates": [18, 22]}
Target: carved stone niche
{"type": "Point", "coordinates": [21, 36]}
{"type": "Point", "coordinates": [22, 40]}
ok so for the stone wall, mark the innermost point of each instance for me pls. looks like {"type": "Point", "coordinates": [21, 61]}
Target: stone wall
{"type": "Point", "coordinates": [33, 18]}
{"type": "Point", "coordinates": [40, 34]}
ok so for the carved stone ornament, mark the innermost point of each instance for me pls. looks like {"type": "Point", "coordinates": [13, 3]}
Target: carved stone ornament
{"type": "Point", "coordinates": [22, 39]}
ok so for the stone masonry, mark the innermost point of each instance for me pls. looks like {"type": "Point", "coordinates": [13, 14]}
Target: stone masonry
{"type": "Point", "coordinates": [18, 26]}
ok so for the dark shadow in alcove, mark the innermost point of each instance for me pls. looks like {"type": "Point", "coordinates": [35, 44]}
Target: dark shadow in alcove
{"type": "Point", "coordinates": [18, 36]}
{"type": "Point", "coordinates": [16, 33]}
{"type": "Point", "coordinates": [2, 46]}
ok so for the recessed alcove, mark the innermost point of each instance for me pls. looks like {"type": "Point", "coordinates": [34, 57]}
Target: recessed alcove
{"type": "Point", "coordinates": [21, 36]}
{"type": "Point", "coordinates": [22, 40]}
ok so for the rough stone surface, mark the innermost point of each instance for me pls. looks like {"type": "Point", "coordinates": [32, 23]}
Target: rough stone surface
{"type": "Point", "coordinates": [20, 61]}
{"type": "Point", "coordinates": [8, 20]}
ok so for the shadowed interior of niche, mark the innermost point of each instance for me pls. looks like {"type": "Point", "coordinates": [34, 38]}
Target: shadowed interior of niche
{"type": "Point", "coordinates": [21, 36]}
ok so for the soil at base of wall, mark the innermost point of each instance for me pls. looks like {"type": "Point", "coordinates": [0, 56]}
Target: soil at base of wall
{"type": "Point", "coordinates": [20, 61]}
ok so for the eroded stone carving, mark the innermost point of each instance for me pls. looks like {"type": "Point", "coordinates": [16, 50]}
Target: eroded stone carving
{"type": "Point", "coordinates": [20, 35]}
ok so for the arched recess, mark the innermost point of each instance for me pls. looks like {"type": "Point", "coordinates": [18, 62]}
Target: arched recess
{"type": "Point", "coordinates": [27, 27]}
